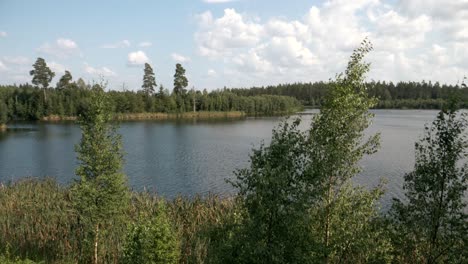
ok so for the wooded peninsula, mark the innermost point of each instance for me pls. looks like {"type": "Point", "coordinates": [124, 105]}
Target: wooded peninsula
{"type": "Point", "coordinates": [70, 98]}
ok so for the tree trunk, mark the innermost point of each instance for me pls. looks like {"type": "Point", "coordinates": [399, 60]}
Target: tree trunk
{"type": "Point", "coordinates": [436, 223]}
{"type": "Point", "coordinates": [327, 221]}
{"type": "Point", "coordinates": [96, 238]}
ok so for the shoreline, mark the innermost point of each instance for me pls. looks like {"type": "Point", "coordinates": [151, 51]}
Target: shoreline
{"type": "Point", "coordinates": [156, 116]}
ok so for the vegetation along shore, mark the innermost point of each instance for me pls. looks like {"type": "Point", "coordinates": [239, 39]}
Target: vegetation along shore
{"type": "Point", "coordinates": [295, 202]}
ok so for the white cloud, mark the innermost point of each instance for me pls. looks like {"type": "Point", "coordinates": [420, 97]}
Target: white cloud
{"type": "Point", "coordinates": [179, 58]}
{"type": "Point", "coordinates": [137, 58]}
{"type": "Point", "coordinates": [62, 48]}
{"type": "Point", "coordinates": [102, 71]}
{"type": "Point", "coordinates": [120, 44]}
{"type": "Point", "coordinates": [3, 34]}
{"type": "Point", "coordinates": [223, 36]}
{"type": "Point", "coordinates": [66, 44]}
{"type": "Point", "coordinates": [145, 44]}
{"type": "Point", "coordinates": [3, 67]}
{"type": "Point", "coordinates": [410, 43]}
{"type": "Point", "coordinates": [211, 73]}
{"type": "Point", "coordinates": [56, 67]}
{"type": "Point", "coordinates": [18, 60]}
{"type": "Point", "coordinates": [218, 1]}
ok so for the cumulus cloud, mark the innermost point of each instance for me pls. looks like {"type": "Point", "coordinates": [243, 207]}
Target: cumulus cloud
{"type": "Point", "coordinates": [413, 40]}
{"type": "Point", "coordinates": [145, 44]}
{"type": "Point", "coordinates": [3, 67]}
{"type": "Point", "coordinates": [179, 58]}
{"type": "Point", "coordinates": [3, 34]}
{"type": "Point", "coordinates": [137, 58]}
{"type": "Point", "coordinates": [56, 67]}
{"type": "Point", "coordinates": [62, 48]}
{"type": "Point", "coordinates": [102, 71]}
{"type": "Point", "coordinates": [120, 44]}
{"type": "Point", "coordinates": [223, 36]}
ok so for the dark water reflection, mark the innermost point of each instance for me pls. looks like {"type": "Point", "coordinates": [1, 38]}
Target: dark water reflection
{"type": "Point", "coordinates": [190, 157]}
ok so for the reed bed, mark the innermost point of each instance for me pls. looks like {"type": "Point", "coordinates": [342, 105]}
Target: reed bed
{"type": "Point", "coordinates": [157, 116]}
{"type": "Point", "coordinates": [37, 222]}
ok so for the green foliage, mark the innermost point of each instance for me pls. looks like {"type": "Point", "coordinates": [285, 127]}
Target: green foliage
{"type": "Point", "coordinates": [180, 81]}
{"type": "Point", "coordinates": [65, 80]}
{"type": "Point", "coordinates": [400, 95]}
{"type": "Point", "coordinates": [101, 195]}
{"type": "Point", "coordinates": [42, 75]}
{"type": "Point", "coordinates": [198, 221]}
{"type": "Point", "coordinates": [3, 112]}
{"type": "Point", "coordinates": [357, 234]}
{"type": "Point", "coordinates": [152, 240]}
{"type": "Point", "coordinates": [149, 81]}
{"type": "Point", "coordinates": [297, 190]}
{"type": "Point", "coordinates": [6, 260]}
{"type": "Point", "coordinates": [275, 228]}
{"type": "Point", "coordinates": [25, 102]}
{"type": "Point", "coordinates": [434, 219]}
{"type": "Point", "coordinates": [36, 221]}
{"type": "Point", "coordinates": [336, 146]}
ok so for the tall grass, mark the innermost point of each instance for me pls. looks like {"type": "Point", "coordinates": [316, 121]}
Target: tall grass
{"type": "Point", "coordinates": [37, 222]}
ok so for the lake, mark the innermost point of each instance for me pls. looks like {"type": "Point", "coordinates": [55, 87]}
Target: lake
{"type": "Point", "coordinates": [195, 157]}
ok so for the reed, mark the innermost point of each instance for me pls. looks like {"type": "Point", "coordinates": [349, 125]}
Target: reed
{"type": "Point", "coordinates": [37, 222]}
{"type": "Point", "coordinates": [157, 116]}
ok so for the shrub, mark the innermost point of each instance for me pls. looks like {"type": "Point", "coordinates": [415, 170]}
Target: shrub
{"type": "Point", "coordinates": [152, 240]}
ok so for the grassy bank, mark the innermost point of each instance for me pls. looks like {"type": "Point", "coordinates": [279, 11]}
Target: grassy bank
{"type": "Point", "coordinates": [157, 116]}
{"type": "Point", "coordinates": [186, 115]}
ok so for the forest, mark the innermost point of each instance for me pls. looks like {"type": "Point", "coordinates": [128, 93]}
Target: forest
{"type": "Point", "coordinates": [40, 101]}
{"type": "Point", "coordinates": [411, 95]}
{"type": "Point", "coordinates": [296, 202]}
{"type": "Point", "coordinates": [25, 102]}
{"type": "Point", "coordinates": [68, 99]}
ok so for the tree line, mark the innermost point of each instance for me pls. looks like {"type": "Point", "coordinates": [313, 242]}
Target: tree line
{"type": "Point", "coordinates": [413, 95]}
{"type": "Point", "coordinates": [71, 98]}
{"type": "Point", "coordinates": [296, 201]}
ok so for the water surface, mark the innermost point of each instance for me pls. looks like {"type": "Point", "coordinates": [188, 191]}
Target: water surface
{"type": "Point", "coordinates": [189, 156]}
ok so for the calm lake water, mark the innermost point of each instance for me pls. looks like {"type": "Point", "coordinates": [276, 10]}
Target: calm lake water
{"type": "Point", "coordinates": [190, 157]}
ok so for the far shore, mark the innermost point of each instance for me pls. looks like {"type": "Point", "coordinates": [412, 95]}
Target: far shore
{"type": "Point", "coordinates": [156, 116]}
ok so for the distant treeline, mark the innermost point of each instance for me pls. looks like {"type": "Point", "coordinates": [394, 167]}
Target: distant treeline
{"type": "Point", "coordinates": [26, 102]}
{"type": "Point", "coordinates": [416, 95]}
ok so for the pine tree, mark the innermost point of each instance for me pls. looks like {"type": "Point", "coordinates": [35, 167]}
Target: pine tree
{"type": "Point", "coordinates": [149, 81]}
{"type": "Point", "coordinates": [101, 195]}
{"type": "Point", "coordinates": [161, 94]}
{"type": "Point", "coordinates": [64, 80]}
{"type": "Point", "coordinates": [42, 75]}
{"type": "Point", "coordinates": [180, 81]}
{"type": "Point", "coordinates": [81, 84]}
{"type": "Point", "coordinates": [435, 218]}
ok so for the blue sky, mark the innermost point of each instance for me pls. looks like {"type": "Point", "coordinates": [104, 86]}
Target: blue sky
{"type": "Point", "coordinates": [233, 43]}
